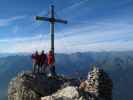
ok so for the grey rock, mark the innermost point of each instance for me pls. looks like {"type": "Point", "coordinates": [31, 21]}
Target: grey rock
{"type": "Point", "coordinates": [68, 93]}
{"type": "Point", "coordinates": [30, 86]}
{"type": "Point", "coordinates": [99, 84]}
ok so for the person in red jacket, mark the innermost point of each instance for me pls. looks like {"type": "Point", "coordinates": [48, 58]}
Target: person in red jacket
{"type": "Point", "coordinates": [51, 61]}
{"type": "Point", "coordinates": [50, 58]}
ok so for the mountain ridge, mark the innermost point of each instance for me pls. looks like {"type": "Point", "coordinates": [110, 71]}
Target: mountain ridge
{"type": "Point", "coordinates": [119, 69]}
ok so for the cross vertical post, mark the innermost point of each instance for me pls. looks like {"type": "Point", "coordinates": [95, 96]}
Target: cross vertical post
{"type": "Point", "coordinates": [52, 29]}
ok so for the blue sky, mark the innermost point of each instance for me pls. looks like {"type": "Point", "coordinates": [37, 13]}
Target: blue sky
{"type": "Point", "coordinates": [93, 25]}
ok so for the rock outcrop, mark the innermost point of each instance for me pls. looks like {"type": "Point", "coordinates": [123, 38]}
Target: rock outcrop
{"type": "Point", "coordinates": [98, 85]}
{"type": "Point", "coordinates": [29, 86]}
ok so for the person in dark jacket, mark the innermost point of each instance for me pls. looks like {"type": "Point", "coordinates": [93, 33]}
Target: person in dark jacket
{"type": "Point", "coordinates": [35, 63]}
{"type": "Point", "coordinates": [43, 62]}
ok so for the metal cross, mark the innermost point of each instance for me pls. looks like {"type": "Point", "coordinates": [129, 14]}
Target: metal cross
{"type": "Point", "coordinates": [52, 21]}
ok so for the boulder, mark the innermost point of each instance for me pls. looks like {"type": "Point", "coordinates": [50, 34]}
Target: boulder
{"type": "Point", "coordinates": [68, 93]}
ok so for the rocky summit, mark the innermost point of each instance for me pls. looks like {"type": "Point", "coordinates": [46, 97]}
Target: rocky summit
{"type": "Point", "coordinates": [31, 86]}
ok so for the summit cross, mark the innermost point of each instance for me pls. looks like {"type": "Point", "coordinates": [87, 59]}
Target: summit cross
{"type": "Point", "coordinates": [52, 20]}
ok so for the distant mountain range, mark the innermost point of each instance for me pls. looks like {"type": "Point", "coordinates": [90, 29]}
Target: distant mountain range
{"type": "Point", "coordinates": [119, 65]}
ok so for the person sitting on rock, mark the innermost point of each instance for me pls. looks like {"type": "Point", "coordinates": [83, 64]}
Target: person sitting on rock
{"type": "Point", "coordinates": [35, 61]}
{"type": "Point", "coordinates": [51, 61]}
{"type": "Point", "coordinates": [43, 62]}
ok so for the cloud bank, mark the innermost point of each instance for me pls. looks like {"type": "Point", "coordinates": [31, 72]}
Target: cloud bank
{"type": "Point", "coordinates": [93, 26]}
{"type": "Point", "coordinates": [103, 36]}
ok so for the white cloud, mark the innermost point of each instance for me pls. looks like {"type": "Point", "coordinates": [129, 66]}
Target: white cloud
{"type": "Point", "coordinates": [101, 36]}
{"type": "Point", "coordinates": [74, 6]}
{"type": "Point", "coordinates": [9, 21]}
{"type": "Point", "coordinates": [23, 39]}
